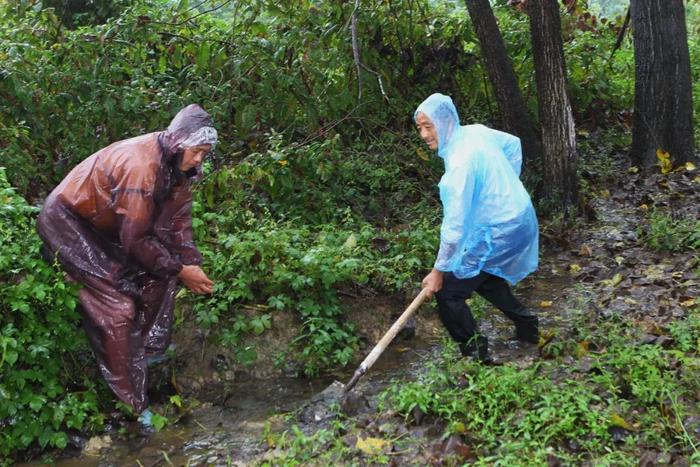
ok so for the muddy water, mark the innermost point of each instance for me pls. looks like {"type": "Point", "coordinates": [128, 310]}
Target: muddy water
{"type": "Point", "coordinates": [216, 435]}
{"type": "Point", "coordinates": [232, 433]}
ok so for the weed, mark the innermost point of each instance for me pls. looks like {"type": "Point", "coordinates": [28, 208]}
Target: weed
{"type": "Point", "coordinates": [666, 233]}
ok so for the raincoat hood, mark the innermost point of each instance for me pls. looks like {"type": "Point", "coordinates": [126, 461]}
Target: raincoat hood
{"type": "Point", "coordinates": [441, 110]}
{"type": "Point", "coordinates": [191, 126]}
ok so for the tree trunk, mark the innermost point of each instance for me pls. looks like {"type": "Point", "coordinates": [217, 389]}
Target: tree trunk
{"type": "Point", "coordinates": [560, 184]}
{"type": "Point", "coordinates": [663, 100]}
{"type": "Point", "coordinates": [516, 119]}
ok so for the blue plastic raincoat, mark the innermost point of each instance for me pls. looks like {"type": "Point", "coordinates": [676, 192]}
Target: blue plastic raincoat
{"type": "Point", "coordinates": [489, 223]}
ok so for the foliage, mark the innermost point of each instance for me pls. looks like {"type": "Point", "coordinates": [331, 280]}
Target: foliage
{"type": "Point", "coordinates": [42, 394]}
{"type": "Point", "coordinates": [285, 65]}
{"type": "Point", "coordinates": [269, 251]}
{"type": "Point", "coordinates": [665, 232]}
{"type": "Point", "coordinates": [313, 191]}
{"type": "Point", "coordinates": [302, 269]}
{"type": "Point", "coordinates": [512, 410]}
{"type": "Point", "coordinates": [692, 11]}
{"type": "Point", "coordinates": [621, 397]}
{"type": "Point", "coordinates": [382, 181]}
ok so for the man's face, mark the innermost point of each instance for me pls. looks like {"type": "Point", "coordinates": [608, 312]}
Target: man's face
{"type": "Point", "coordinates": [193, 156]}
{"type": "Point", "coordinates": [427, 130]}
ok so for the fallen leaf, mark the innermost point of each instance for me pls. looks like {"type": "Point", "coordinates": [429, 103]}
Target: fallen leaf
{"type": "Point", "coordinates": [459, 428]}
{"type": "Point", "coordinates": [546, 336]}
{"type": "Point", "coordinates": [688, 303]}
{"type": "Point", "coordinates": [96, 444]}
{"type": "Point", "coordinates": [633, 170]}
{"type": "Point", "coordinates": [617, 420]}
{"type": "Point", "coordinates": [689, 166]}
{"type": "Point", "coordinates": [545, 303]}
{"type": "Point", "coordinates": [644, 207]}
{"type": "Point", "coordinates": [664, 161]}
{"type": "Point", "coordinates": [616, 279]}
{"type": "Point", "coordinates": [585, 250]}
{"type": "Point", "coordinates": [371, 445]}
{"type": "Point", "coordinates": [582, 349]}
{"type": "Point", "coordinates": [619, 260]}
{"type": "Point", "coordinates": [575, 268]}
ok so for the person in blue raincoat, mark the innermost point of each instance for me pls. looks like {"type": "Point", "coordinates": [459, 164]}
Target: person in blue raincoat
{"type": "Point", "coordinates": [489, 234]}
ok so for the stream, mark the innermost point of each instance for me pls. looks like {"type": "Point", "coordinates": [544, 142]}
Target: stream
{"type": "Point", "coordinates": [233, 434]}
{"type": "Point", "coordinates": [232, 431]}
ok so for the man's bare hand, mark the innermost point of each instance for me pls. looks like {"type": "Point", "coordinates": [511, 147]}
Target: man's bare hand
{"type": "Point", "coordinates": [433, 282]}
{"type": "Point", "coordinates": [194, 279]}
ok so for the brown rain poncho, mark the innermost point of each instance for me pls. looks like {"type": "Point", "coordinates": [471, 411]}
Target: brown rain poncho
{"type": "Point", "coordinates": [120, 224]}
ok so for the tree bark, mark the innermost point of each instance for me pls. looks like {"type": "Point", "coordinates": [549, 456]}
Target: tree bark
{"type": "Point", "coordinates": [560, 184]}
{"type": "Point", "coordinates": [663, 101]}
{"type": "Point", "coordinates": [516, 119]}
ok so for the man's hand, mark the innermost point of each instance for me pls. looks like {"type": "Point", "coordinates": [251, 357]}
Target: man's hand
{"type": "Point", "coordinates": [194, 279]}
{"type": "Point", "coordinates": [433, 282]}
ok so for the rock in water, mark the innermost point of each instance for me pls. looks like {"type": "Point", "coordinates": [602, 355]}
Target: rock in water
{"type": "Point", "coordinates": [323, 406]}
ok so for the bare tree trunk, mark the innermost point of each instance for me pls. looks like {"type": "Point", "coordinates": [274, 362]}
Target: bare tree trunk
{"type": "Point", "coordinates": [516, 119]}
{"type": "Point", "coordinates": [663, 100]}
{"type": "Point", "coordinates": [558, 132]}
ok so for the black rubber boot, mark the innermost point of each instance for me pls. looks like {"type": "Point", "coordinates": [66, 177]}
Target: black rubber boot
{"type": "Point", "coordinates": [527, 328]}
{"type": "Point", "coordinates": [477, 348]}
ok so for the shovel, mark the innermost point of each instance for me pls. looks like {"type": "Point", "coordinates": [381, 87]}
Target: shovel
{"type": "Point", "coordinates": [318, 409]}
{"type": "Point", "coordinates": [386, 340]}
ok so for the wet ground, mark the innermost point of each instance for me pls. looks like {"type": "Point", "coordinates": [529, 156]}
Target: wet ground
{"type": "Point", "coordinates": [234, 432]}
{"type": "Point", "coordinates": [599, 268]}
{"type": "Point", "coordinates": [231, 430]}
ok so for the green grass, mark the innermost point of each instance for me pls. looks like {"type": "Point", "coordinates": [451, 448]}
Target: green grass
{"type": "Point", "coordinates": [628, 397]}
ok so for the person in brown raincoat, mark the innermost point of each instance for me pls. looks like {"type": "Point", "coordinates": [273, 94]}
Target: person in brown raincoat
{"type": "Point", "coordinates": [120, 224]}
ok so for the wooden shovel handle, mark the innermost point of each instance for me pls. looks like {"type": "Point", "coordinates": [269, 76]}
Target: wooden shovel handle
{"type": "Point", "coordinates": [386, 340]}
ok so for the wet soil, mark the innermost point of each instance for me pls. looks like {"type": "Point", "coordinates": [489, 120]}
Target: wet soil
{"type": "Point", "coordinates": [231, 432]}
{"type": "Point", "coordinates": [599, 268]}
{"type": "Point", "coordinates": [229, 427]}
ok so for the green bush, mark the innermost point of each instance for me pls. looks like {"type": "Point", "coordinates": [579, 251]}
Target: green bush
{"type": "Point", "coordinates": [287, 228]}
{"type": "Point", "coordinates": [667, 233]}
{"type": "Point", "coordinates": [40, 341]}
{"type": "Point", "coordinates": [255, 67]}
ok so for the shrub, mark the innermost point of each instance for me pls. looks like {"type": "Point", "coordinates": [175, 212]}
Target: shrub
{"type": "Point", "coordinates": [40, 343]}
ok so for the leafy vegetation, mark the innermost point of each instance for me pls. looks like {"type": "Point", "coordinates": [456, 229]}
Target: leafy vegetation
{"type": "Point", "coordinates": [622, 397]}
{"type": "Point", "coordinates": [41, 346]}
{"type": "Point", "coordinates": [643, 390]}
{"type": "Point", "coordinates": [313, 191]}
{"type": "Point", "coordinates": [666, 232]}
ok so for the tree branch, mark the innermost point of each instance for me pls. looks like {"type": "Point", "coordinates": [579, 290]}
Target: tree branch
{"type": "Point", "coordinates": [621, 35]}
{"type": "Point", "coordinates": [356, 49]}
{"type": "Point", "coordinates": [356, 55]}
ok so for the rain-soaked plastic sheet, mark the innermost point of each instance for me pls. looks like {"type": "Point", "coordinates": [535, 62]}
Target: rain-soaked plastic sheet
{"type": "Point", "coordinates": [120, 224]}
{"type": "Point", "coordinates": [489, 223]}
